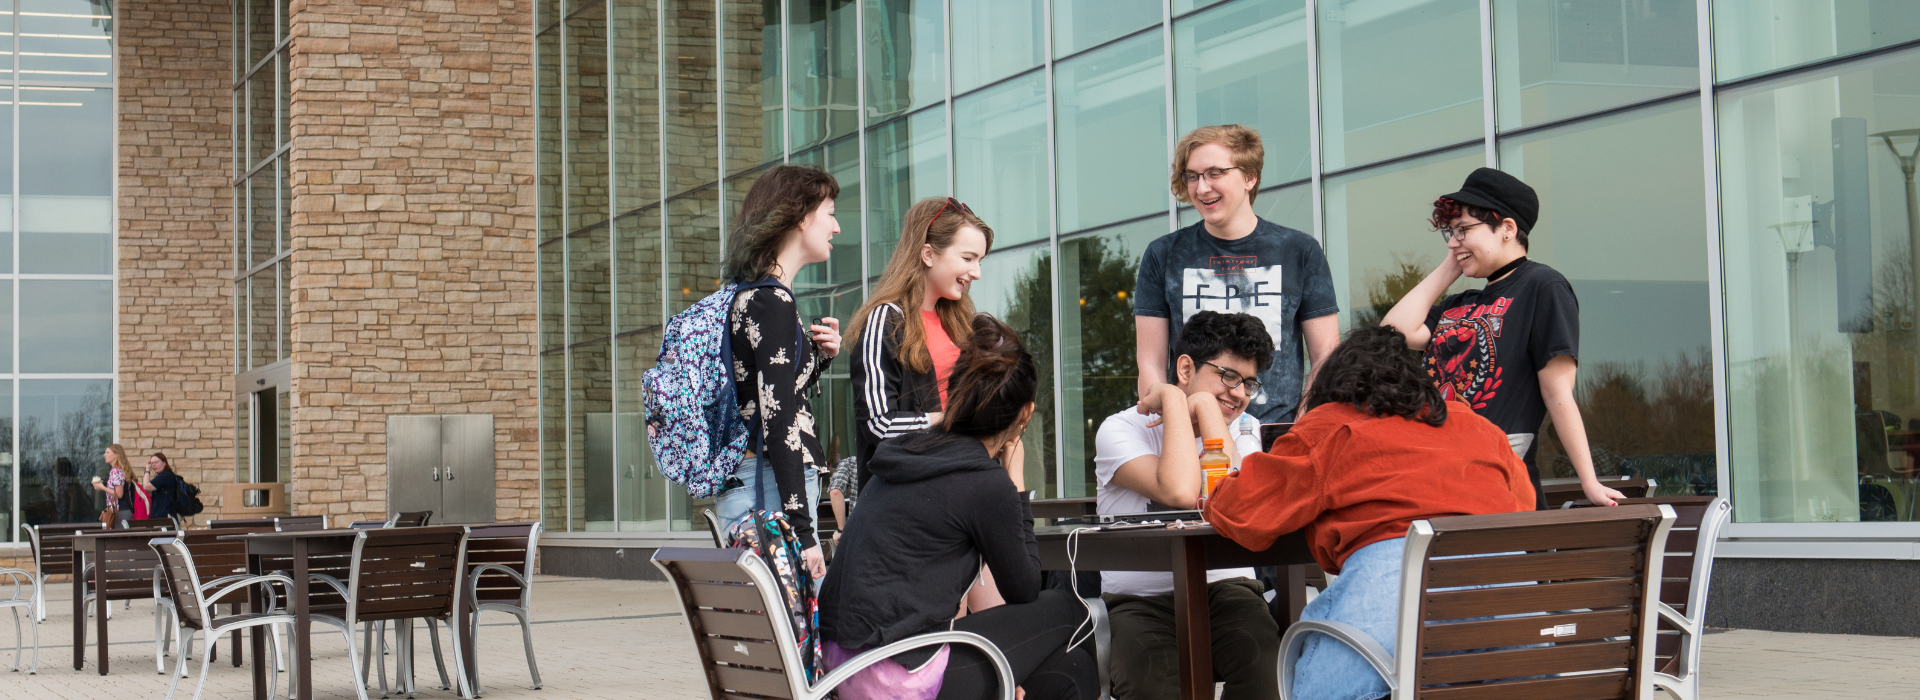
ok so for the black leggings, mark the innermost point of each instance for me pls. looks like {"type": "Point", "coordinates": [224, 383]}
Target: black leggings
{"type": "Point", "coordinates": [1033, 636]}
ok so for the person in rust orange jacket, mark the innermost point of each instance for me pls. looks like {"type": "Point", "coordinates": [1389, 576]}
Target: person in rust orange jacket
{"type": "Point", "coordinates": [1377, 449]}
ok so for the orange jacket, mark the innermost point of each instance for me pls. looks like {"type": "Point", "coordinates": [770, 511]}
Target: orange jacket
{"type": "Point", "coordinates": [1352, 479]}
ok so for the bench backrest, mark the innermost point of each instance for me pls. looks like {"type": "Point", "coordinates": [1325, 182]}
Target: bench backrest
{"type": "Point", "coordinates": [508, 544]}
{"type": "Point", "coordinates": [401, 573]}
{"type": "Point", "coordinates": [1574, 588]}
{"type": "Point", "coordinates": [418, 518]}
{"type": "Point", "coordinates": [53, 545]}
{"type": "Point", "coordinates": [182, 574]}
{"type": "Point", "coordinates": [1685, 576]}
{"type": "Point", "coordinates": [726, 594]}
{"type": "Point", "coordinates": [214, 557]}
{"type": "Point", "coordinates": [125, 565]}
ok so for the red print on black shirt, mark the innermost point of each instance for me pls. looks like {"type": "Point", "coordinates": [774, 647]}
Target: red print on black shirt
{"type": "Point", "coordinates": [1460, 356]}
{"type": "Point", "coordinates": [1233, 263]}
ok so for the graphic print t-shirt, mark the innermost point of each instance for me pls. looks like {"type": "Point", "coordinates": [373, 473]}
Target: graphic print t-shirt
{"type": "Point", "coordinates": [1489, 346]}
{"type": "Point", "coordinates": [1277, 274]}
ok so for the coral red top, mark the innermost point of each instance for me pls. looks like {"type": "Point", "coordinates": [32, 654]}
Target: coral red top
{"type": "Point", "coordinates": [944, 352]}
{"type": "Point", "coordinates": [1351, 479]}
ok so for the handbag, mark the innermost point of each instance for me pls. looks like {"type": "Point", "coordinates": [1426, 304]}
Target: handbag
{"type": "Point", "coordinates": [106, 516]}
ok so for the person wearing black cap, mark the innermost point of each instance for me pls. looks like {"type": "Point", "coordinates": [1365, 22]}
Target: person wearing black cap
{"type": "Point", "coordinates": [1510, 349]}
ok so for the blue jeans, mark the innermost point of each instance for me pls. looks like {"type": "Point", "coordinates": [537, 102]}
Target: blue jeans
{"type": "Point", "coordinates": [732, 504]}
{"type": "Point", "coordinates": [1367, 596]}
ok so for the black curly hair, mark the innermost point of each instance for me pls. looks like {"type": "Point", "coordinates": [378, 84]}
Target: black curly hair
{"type": "Point", "coordinates": [1372, 370]}
{"type": "Point", "coordinates": [1209, 334]}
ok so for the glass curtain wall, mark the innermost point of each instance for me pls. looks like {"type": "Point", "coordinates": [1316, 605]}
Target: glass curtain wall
{"type": "Point", "coordinates": [262, 248]}
{"type": "Point", "coordinates": [57, 275]}
{"type": "Point", "coordinates": [1054, 121]}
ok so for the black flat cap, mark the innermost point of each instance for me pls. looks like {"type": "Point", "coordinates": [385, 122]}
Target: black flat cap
{"type": "Point", "coordinates": [1500, 192]}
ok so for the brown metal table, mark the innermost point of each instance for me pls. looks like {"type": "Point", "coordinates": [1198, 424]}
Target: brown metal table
{"type": "Point", "coordinates": [1187, 553]}
{"type": "Point", "coordinates": [106, 579]}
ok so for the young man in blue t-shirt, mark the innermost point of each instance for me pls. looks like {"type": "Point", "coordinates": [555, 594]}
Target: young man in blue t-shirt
{"type": "Point", "coordinates": [1233, 261]}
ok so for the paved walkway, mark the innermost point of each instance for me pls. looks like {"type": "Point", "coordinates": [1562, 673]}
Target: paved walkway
{"type": "Point", "coordinates": [622, 640]}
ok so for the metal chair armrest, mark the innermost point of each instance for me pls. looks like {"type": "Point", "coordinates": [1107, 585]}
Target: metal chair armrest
{"type": "Point", "coordinates": [874, 656]}
{"type": "Point", "coordinates": [473, 583]}
{"type": "Point", "coordinates": [1296, 638]}
{"type": "Point", "coordinates": [242, 584]}
{"type": "Point", "coordinates": [16, 575]}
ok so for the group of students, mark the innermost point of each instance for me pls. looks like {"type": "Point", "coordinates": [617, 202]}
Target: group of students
{"type": "Point", "coordinates": [150, 495]}
{"type": "Point", "coordinates": [1433, 413]}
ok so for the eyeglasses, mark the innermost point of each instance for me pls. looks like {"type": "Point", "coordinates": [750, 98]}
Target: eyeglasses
{"type": "Point", "coordinates": [1211, 174]}
{"type": "Point", "coordinates": [951, 202]}
{"type": "Point", "coordinates": [1234, 380]}
{"type": "Point", "coordinates": [1448, 234]}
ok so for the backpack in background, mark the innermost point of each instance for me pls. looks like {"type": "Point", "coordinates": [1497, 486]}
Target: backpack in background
{"type": "Point", "coordinates": [693, 419]}
{"type": "Point", "coordinates": [186, 500]}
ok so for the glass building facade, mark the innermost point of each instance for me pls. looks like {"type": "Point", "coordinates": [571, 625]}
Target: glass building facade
{"type": "Point", "coordinates": [262, 252]}
{"type": "Point", "coordinates": [1722, 183]}
{"type": "Point", "coordinates": [57, 271]}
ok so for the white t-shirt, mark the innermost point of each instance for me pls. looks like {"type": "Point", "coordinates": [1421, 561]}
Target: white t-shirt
{"type": "Point", "coordinates": [1123, 437]}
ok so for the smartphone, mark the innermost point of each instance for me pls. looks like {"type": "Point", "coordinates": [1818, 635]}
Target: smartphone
{"type": "Point", "coordinates": [1134, 526]}
{"type": "Point", "coordinates": [1270, 432]}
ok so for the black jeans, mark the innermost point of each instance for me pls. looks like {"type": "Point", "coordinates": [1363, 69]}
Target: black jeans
{"type": "Point", "coordinates": [1033, 636]}
{"type": "Point", "coordinates": [1246, 643]}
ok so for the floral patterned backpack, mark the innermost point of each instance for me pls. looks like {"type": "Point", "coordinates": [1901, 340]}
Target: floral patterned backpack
{"type": "Point", "coordinates": [693, 422]}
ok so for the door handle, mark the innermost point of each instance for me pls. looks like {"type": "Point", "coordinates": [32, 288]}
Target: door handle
{"type": "Point", "coordinates": [449, 473]}
{"type": "Point", "coordinates": [436, 474]}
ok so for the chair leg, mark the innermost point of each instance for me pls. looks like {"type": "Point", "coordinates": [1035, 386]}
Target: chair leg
{"type": "Point", "coordinates": [181, 672]}
{"type": "Point", "coordinates": [206, 661]}
{"type": "Point", "coordinates": [160, 638]}
{"type": "Point", "coordinates": [353, 657]}
{"type": "Point", "coordinates": [526, 637]}
{"type": "Point", "coordinates": [466, 689]}
{"type": "Point", "coordinates": [17, 648]}
{"type": "Point", "coordinates": [439, 661]}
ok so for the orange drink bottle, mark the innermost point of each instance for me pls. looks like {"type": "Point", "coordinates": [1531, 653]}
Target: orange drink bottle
{"type": "Point", "coordinates": [1215, 463]}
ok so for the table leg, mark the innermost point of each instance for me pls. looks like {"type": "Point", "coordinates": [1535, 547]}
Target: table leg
{"type": "Point", "coordinates": [79, 609]}
{"type": "Point", "coordinates": [1192, 630]}
{"type": "Point", "coordinates": [235, 646]}
{"type": "Point", "coordinates": [256, 603]}
{"type": "Point", "coordinates": [100, 605]}
{"type": "Point", "coordinates": [1293, 580]}
{"type": "Point", "coordinates": [302, 659]}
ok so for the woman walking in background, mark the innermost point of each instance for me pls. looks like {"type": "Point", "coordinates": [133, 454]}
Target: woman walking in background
{"type": "Point", "coordinates": [908, 334]}
{"type": "Point", "coordinates": [119, 497]}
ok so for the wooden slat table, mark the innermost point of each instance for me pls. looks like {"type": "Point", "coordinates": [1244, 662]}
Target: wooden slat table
{"type": "Point", "coordinates": [299, 547]}
{"type": "Point", "coordinates": [118, 574]}
{"type": "Point", "coordinates": [1187, 553]}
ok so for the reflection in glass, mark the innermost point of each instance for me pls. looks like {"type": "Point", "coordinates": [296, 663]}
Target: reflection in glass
{"type": "Point", "coordinates": [833, 405]}
{"type": "Point", "coordinates": [260, 28]}
{"type": "Point", "coordinates": [262, 219]}
{"type": "Point", "coordinates": [824, 80]}
{"type": "Point", "coordinates": [590, 436]}
{"type": "Point", "coordinates": [589, 286]}
{"type": "Point", "coordinates": [6, 69]}
{"type": "Point", "coordinates": [752, 74]}
{"type": "Point", "coordinates": [66, 213]}
{"type": "Point", "coordinates": [841, 160]}
{"type": "Point", "coordinates": [1016, 287]}
{"type": "Point", "coordinates": [693, 130]}
{"type": "Point", "coordinates": [1554, 60]}
{"type": "Point", "coordinates": [549, 137]}
{"type": "Point", "coordinates": [553, 294]}
{"type": "Point", "coordinates": [69, 40]}
{"type": "Point", "coordinates": [586, 118]}
{"type": "Point", "coordinates": [66, 326]}
{"type": "Point", "coordinates": [640, 491]}
{"type": "Point", "coordinates": [906, 162]}
{"type": "Point", "coordinates": [693, 249]}
{"type": "Point", "coordinates": [1645, 381]}
{"type": "Point", "coordinates": [1097, 367]}
{"type": "Point", "coordinates": [1181, 7]}
{"type": "Point", "coordinates": [1112, 133]}
{"type": "Point", "coordinates": [261, 141]}
{"type": "Point", "coordinates": [6, 189]}
{"type": "Point", "coordinates": [1377, 240]}
{"type": "Point", "coordinates": [1000, 157]}
{"type": "Point", "coordinates": [1756, 37]}
{"type": "Point", "coordinates": [1246, 63]}
{"type": "Point", "coordinates": [1818, 244]}
{"type": "Point", "coordinates": [993, 39]}
{"type": "Point", "coordinates": [6, 330]}
{"type": "Point", "coordinates": [635, 78]}
{"type": "Point", "coordinates": [637, 240]}
{"type": "Point", "coordinates": [64, 426]}
{"type": "Point", "coordinates": [7, 516]}
{"type": "Point", "coordinates": [1084, 24]}
{"type": "Point", "coordinates": [906, 56]}
{"type": "Point", "coordinates": [1396, 81]}
{"type": "Point", "coordinates": [553, 440]}
{"type": "Point", "coordinates": [263, 302]}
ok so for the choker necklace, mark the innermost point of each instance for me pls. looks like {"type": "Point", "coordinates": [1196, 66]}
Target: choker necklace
{"type": "Point", "coordinates": [1504, 269]}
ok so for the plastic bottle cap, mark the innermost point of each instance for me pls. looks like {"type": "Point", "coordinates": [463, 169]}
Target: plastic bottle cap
{"type": "Point", "coordinates": [1215, 444]}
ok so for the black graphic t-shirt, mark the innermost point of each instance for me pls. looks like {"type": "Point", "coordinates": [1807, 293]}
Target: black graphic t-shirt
{"type": "Point", "coordinates": [1489, 345]}
{"type": "Point", "coordinates": [1276, 274]}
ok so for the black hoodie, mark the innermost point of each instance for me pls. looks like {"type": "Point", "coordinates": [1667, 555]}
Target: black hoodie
{"type": "Point", "coordinates": [938, 506]}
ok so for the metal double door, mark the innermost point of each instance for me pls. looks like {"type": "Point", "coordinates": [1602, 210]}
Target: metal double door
{"type": "Point", "coordinates": [441, 463]}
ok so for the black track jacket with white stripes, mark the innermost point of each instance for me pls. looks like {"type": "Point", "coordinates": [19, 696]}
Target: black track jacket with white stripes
{"type": "Point", "coordinates": [889, 399]}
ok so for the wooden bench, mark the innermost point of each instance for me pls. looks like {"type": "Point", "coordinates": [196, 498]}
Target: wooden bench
{"type": "Point", "coordinates": [1684, 581]}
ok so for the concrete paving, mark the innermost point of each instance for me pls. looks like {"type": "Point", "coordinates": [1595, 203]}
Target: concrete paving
{"type": "Point", "coordinates": [625, 640]}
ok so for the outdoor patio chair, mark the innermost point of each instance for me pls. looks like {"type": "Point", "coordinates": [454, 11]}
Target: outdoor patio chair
{"type": "Point", "coordinates": [400, 574]}
{"type": "Point", "coordinates": [499, 578]}
{"type": "Point", "coordinates": [713, 527]}
{"type": "Point", "coordinates": [52, 554]}
{"type": "Point", "coordinates": [218, 562]}
{"type": "Point", "coordinates": [418, 518]}
{"type": "Point", "coordinates": [1549, 604]}
{"type": "Point", "coordinates": [1685, 580]}
{"type": "Point", "coordinates": [369, 524]}
{"type": "Point", "coordinates": [727, 595]}
{"type": "Point", "coordinates": [129, 571]}
{"type": "Point", "coordinates": [23, 599]}
{"type": "Point", "coordinates": [195, 600]}
{"type": "Point", "coordinates": [289, 523]}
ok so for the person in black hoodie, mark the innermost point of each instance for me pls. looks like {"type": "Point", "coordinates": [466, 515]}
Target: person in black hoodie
{"type": "Point", "coordinates": [938, 506]}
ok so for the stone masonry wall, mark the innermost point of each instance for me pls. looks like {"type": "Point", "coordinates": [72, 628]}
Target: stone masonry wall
{"type": "Point", "coordinates": [175, 237]}
{"type": "Point", "coordinates": [413, 233]}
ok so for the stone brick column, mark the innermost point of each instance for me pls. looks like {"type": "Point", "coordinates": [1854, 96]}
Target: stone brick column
{"type": "Point", "coordinates": [413, 238]}
{"type": "Point", "coordinates": [175, 236]}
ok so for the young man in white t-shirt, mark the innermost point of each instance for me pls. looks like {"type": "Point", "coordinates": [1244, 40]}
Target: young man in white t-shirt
{"type": "Point", "coordinates": [1148, 458]}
